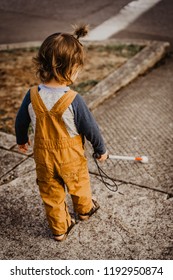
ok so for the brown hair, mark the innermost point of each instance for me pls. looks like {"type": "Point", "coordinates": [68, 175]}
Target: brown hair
{"type": "Point", "coordinates": [59, 55]}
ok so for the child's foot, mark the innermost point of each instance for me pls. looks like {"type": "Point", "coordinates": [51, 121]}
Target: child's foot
{"type": "Point", "coordinates": [60, 237]}
{"type": "Point", "coordinates": [86, 216]}
{"type": "Point", "coordinates": [63, 237]}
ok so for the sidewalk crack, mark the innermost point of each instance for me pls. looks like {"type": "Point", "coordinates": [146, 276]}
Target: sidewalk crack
{"type": "Point", "coordinates": [169, 194]}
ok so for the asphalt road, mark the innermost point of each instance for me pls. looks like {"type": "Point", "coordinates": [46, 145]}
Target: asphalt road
{"type": "Point", "coordinates": [155, 24]}
{"type": "Point", "coordinates": [34, 20]}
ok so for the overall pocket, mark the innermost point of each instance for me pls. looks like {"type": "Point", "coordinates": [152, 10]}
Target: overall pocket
{"type": "Point", "coordinates": [70, 170]}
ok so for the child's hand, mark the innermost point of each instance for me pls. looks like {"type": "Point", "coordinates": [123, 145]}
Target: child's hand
{"type": "Point", "coordinates": [24, 147]}
{"type": "Point", "coordinates": [103, 157]}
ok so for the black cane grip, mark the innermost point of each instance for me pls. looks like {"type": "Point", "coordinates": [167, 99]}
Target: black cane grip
{"type": "Point", "coordinates": [96, 155]}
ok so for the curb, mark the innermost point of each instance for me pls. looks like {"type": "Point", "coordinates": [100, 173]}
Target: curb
{"type": "Point", "coordinates": [13, 46]}
{"type": "Point", "coordinates": [153, 52]}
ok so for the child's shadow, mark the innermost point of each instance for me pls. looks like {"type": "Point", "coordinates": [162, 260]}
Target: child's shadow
{"type": "Point", "coordinates": [21, 219]}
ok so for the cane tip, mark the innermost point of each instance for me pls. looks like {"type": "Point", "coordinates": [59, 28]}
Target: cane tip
{"type": "Point", "coordinates": [144, 159]}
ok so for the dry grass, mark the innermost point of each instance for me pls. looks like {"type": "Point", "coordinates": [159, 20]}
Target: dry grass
{"type": "Point", "coordinates": [17, 75]}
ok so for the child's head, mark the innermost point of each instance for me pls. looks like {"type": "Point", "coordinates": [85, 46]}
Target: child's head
{"type": "Point", "coordinates": [60, 57]}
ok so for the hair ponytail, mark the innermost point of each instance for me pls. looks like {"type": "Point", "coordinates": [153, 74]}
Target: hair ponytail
{"type": "Point", "coordinates": [80, 31]}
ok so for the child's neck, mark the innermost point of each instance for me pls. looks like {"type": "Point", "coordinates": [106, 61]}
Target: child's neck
{"type": "Point", "coordinates": [54, 83]}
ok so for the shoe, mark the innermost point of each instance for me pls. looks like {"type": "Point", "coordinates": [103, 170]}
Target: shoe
{"type": "Point", "coordinates": [62, 237]}
{"type": "Point", "coordinates": [86, 216]}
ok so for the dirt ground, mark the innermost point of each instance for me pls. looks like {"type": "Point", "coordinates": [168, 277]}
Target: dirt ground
{"type": "Point", "coordinates": [17, 75]}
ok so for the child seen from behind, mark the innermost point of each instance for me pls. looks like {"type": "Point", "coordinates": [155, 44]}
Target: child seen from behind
{"type": "Point", "coordinates": [61, 121]}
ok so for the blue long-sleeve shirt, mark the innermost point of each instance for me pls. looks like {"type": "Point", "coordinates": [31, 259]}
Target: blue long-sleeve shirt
{"type": "Point", "coordinates": [83, 119]}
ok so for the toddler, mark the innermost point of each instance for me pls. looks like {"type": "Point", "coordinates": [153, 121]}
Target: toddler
{"type": "Point", "coordinates": [61, 120]}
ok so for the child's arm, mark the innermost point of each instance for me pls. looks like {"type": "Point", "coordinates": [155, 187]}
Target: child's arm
{"type": "Point", "coordinates": [22, 124]}
{"type": "Point", "coordinates": [87, 126]}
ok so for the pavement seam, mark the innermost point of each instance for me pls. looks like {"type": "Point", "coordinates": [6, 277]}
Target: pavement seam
{"type": "Point", "coordinates": [14, 167]}
{"type": "Point", "coordinates": [19, 163]}
{"type": "Point", "coordinates": [169, 195]}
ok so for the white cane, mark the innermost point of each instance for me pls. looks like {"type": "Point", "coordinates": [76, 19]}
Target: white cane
{"type": "Point", "coordinates": [143, 159]}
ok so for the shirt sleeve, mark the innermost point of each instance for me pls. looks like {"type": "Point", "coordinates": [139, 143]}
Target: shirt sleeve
{"type": "Point", "coordinates": [23, 121]}
{"type": "Point", "coordinates": [87, 126]}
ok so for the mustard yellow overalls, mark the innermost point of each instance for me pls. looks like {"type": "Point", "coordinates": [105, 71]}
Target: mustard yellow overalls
{"type": "Point", "coordinates": [60, 162]}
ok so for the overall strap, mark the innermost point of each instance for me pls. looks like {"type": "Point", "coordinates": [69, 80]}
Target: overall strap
{"type": "Point", "coordinates": [59, 107]}
{"type": "Point", "coordinates": [37, 103]}
{"type": "Point", "coordinates": [63, 103]}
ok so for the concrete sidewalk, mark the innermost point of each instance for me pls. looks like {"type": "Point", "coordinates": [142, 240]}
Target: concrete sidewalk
{"type": "Point", "coordinates": [133, 223]}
